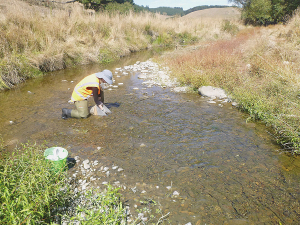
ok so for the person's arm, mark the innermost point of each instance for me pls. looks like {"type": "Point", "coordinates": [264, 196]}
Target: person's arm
{"type": "Point", "coordinates": [96, 98]}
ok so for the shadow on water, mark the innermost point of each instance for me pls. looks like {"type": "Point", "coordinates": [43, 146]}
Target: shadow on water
{"type": "Point", "coordinates": [111, 105]}
{"type": "Point", "coordinates": [202, 162]}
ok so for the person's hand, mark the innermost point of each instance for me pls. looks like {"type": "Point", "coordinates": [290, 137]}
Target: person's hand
{"type": "Point", "coordinates": [101, 106]}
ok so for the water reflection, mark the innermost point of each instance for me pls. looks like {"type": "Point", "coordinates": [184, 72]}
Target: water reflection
{"type": "Point", "coordinates": [225, 170]}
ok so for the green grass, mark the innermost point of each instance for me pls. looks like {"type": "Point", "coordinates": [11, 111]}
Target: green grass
{"type": "Point", "coordinates": [29, 189]}
{"type": "Point", "coordinates": [32, 193]}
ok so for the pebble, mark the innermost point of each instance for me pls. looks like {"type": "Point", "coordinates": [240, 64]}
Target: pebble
{"type": "Point", "coordinates": [212, 102]}
{"type": "Point", "coordinates": [104, 182]}
{"type": "Point", "coordinates": [120, 169]}
{"type": "Point", "coordinates": [120, 84]}
{"type": "Point", "coordinates": [86, 161]}
{"type": "Point", "coordinates": [115, 167]}
{"type": "Point", "coordinates": [169, 187]}
{"type": "Point", "coordinates": [175, 193]}
{"type": "Point", "coordinates": [11, 122]}
{"type": "Point", "coordinates": [142, 145]}
{"type": "Point", "coordinates": [86, 166]}
{"type": "Point", "coordinates": [135, 88]}
{"type": "Point", "coordinates": [105, 169]}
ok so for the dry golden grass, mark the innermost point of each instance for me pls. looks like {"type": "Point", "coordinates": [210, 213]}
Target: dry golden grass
{"type": "Point", "coordinates": [259, 68]}
{"type": "Point", "coordinates": [44, 39]}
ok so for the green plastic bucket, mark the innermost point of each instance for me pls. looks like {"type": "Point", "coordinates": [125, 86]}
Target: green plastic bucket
{"type": "Point", "coordinates": [58, 158]}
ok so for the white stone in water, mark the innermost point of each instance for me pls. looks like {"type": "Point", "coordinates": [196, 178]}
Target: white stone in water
{"type": "Point", "coordinates": [80, 181]}
{"type": "Point", "coordinates": [135, 206]}
{"type": "Point", "coordinates": [92, 178]}
{"type": "Point", "coordinates": [104, 182]}
{"type": "Point", "coordinates": [135, 88]}
{"type": "Point", "coordinates": [133, 189]}
{"type": "Point", "coordinates": [125, 73]}
{"type": "Point", "coordinates": [118, 76]}
{"type": "Point", "coordinates": [142, 145]}
{"type": "Point", "coordinates": [76, 157]}
{"type": "Point", "coordinates": [96, 162]}
{"type": "Point", "coordinates": [175, 193]}
{"type": "Point", "coordinates": [101, 168]}
{"type": "Point", "coordinates": [169, 187]}
{"type": "Point", "coordinates": [98, 148]}
{"type": "Point", "coordinates": [120, 169]}
{"type": "Point", "coordinates": [143, 192]}
{"type": "Point", "coordinates": [115, 167]}
{"type": "Point", "coordinates": [211, 102]}
{"type": "Point", "coordinates": [144, 219]}
{"type": "Point", "coordinates": [86, 161]}
{"type": "Point", "coordinates": [72, 81]}
{"type": "Point", "coordinates": [86, 166]}
{"type": "Point", "coordinates": [189, 223]}
{"type": "Point", "coordinates": [157, 187]}
{"type": "Point", "coordinates": [118, 68]}
{"type": "Point", "coordinates": [11, 122]}
{"type": "Point", "coordinates": [74, 174]}
{"type": "Point", "coordinates": [234, 104]}
{"type": "Point", "coordinates": [117, 182]}
{"type": "Point", "coordinates": [105, 169]}
{"type": "Point", "coordinates": [115, 86]}
{"type": "Point", "coordinates": [107, 173]}
{"type": "Point", "coordinates": [109, 89]}
{"type": "Point", "coordinates": [142, 76]}
{"type": "Point", "coordinates": [120, 84]}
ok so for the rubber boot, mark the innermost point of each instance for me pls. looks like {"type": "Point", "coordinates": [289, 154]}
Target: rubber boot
{"type": "Point", "coordinates": [66, 113]}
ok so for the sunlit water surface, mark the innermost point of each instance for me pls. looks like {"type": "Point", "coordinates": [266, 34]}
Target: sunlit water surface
{"type": "Point", "coordinates": [225, 170]}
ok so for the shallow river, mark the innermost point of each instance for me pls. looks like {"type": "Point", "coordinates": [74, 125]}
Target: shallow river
{"type": "Point", "coordinates": [200, 162]}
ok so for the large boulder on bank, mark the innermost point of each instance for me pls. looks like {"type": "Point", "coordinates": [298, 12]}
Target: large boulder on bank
{"type": "Point", "coordinates": [212, 92]}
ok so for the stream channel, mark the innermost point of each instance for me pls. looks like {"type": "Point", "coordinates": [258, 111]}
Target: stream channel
{"type": "Point", "coordinates": [200, 162]}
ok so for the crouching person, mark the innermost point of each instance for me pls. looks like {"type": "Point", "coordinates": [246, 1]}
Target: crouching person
{"type": "Point", "coordinates": [90, 85]}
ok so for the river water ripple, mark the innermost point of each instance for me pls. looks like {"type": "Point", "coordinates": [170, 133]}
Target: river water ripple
{"type": "Point", "coordinates": [203, 163]}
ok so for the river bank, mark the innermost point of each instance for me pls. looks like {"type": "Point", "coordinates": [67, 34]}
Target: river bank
{"type": "Point", "coordinates": [30, 47]}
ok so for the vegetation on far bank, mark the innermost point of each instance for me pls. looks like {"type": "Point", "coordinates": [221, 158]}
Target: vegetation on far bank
{"type": "Point", "coordinates": [34, 40]}
{"type": "Point", "coordinates": [259, 68]}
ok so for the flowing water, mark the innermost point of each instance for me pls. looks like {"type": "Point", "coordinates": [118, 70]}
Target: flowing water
{"type": "Point", "coordinates": [199, 162]}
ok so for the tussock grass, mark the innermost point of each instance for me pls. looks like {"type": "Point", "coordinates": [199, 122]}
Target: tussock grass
{"type": "Point", "coordinates": [259, 68]}
{"type": "Point", "coordinates": [36, 39]}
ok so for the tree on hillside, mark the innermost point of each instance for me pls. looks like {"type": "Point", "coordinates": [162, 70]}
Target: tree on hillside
{"type": "Point", "coordinates": [265, 12]}
{"type": "Point", "coordinates": [101, 4]}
